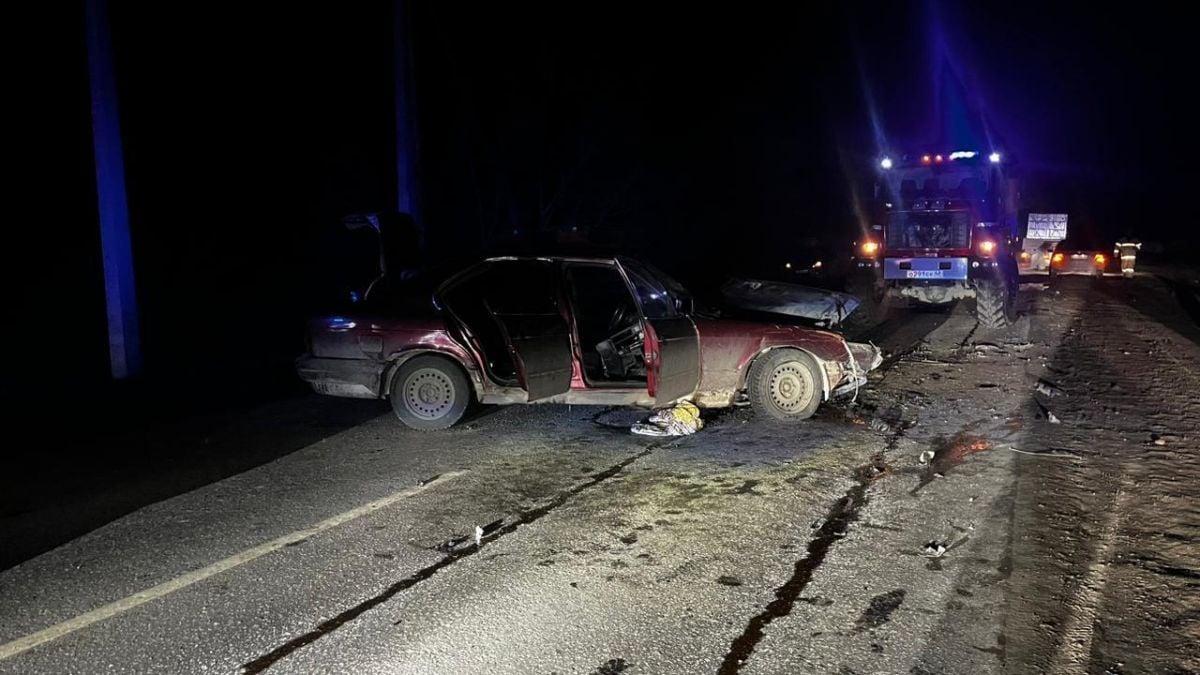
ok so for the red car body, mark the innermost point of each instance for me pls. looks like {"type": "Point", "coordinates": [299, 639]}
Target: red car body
{"type": "Point", "coordinates": [675, 353]}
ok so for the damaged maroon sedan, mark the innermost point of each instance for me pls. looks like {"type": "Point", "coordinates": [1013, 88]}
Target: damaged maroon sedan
{"type": "Point", "coordinates": [602, 331]}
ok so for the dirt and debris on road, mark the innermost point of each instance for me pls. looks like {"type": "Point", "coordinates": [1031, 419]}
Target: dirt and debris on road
{"type": "Point", "coordinates": [939, 524]}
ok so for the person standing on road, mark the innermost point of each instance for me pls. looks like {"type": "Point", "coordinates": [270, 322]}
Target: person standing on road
{"type": "Point", "coordinates": [1126, 250]}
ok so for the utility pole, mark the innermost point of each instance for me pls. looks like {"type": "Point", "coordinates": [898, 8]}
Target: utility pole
{"type": "Point", "coordinates": [407, 190]}
{"type": "Point", "coordinates": [124, 343]}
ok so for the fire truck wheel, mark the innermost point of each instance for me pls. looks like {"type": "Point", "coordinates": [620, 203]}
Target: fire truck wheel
{"type": "Point", "coordinates": [993, 304]}
{"type": "Point", "coordinates": [873, 306]}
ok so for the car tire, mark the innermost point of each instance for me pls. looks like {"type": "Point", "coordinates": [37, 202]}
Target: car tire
{"type": "Point", "coordinates": [429, 393]}
{"type": "Point", "coordinates": [993, 304]}
{"type": "Point", "coordinates": [785, 385]}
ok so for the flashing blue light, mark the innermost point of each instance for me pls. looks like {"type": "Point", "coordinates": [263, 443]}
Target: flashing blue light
{"type": "Point", "coordinates": [994, 158]}
{"type": "Point", "coordinates": [886, 163]}
{"type": "Point", "coordinates": [353, 296]}
{"type": "Point", "coordinates": [963, 154]}
{"type": "Point", "coordinates": [340, 323]}
{"type": "Point", "coordinates": [116, 246]}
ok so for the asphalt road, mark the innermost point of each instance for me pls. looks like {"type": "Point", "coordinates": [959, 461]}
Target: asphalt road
{"type": "Point", "coordinates": [1068, 543]}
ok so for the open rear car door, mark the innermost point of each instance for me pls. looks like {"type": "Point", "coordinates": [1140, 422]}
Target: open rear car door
{"type": "Point", "coordinates": [508, 310]}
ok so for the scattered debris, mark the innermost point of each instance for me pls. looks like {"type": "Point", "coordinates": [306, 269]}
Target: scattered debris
{"type": "Point", "coordinates": [728, 580]}
{"type": "Point", "coordinates": [1165, 439]}
{"type": "Point", "coordinates": [1047, 388]}
{"type": "Point", "coordinates": [612, 667]}
{"type": "Point", "coordinates": [1047, 453]}
{"type": "Point", "coordinates": [681, 419]}
{"type": "Point", "coordinates": [880, 610]}
{"type": "Point", "coordinates": [880, 425]}
{"type": "Point", "coordinates": [926, 456]}
{"type": "Point", "coordinates": [933, 549]}
{"type": "Point", "coordinates": [1050, 417]}
{"type": "Point", "coordinates": [478, 536]}
{"type": "Point", "coordinates": [451, 543]}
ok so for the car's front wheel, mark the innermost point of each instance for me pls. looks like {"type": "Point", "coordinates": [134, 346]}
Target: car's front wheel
{"type": "Point", "coordinates": [785, 385]}
{"type": "Point", "coordinates": [429, 393]}
{"type": "Point", "coordinates": [993, 304]}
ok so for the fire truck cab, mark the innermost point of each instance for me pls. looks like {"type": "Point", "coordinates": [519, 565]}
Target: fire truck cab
{"type": "Point", "coordinates": [944, 227]}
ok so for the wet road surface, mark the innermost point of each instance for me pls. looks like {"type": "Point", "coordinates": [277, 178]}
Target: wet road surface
{"type": "Point", "coordinates": [942, 523]}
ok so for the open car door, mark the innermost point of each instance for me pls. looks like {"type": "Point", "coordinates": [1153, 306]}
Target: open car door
{"type": "Point", "coordinates": [672, 343]}
{"type": "Point", "coordinates": [508, 310]}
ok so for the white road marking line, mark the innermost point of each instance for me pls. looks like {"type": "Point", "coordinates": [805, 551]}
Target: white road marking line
{"type": "Point", "coordinates": [10, 649]}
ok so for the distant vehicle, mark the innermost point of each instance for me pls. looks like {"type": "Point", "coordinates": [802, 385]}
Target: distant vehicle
{"type": "Point", "coordinates": [1089, 263]}
{"type": "Point", "coordinates": [603, 331]}
{"type": "Point", "coordinates": [943, 229]}
{"type": "Point", "coordinates": [1043, 232]}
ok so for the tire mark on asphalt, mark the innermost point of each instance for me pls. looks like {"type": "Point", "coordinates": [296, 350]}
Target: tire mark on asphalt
{"type": "Point", "coordinates": [330, 625]}
{"type": "Point", "coordinates": [837, 522]}
{"type": "Point", "coordinates": [840, 516]}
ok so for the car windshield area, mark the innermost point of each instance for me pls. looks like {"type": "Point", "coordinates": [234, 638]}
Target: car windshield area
{"type": "Point", "coordinates": [608, 325]}
{"type": "Point", "coordinates": [661, 296]}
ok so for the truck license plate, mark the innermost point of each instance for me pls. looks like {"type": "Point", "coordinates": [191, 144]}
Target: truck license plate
{"type": "Point", "coordinates": [923, 274]}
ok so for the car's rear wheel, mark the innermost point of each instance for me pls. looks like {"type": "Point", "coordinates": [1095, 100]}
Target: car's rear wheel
{"type": "Point", "coordinates": [785, 385]}
{"type": "Point", "coordinates": [429, 393]}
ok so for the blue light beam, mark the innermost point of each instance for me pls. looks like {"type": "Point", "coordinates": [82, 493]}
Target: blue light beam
{"type": "Point", "coordinates": [124, 343]}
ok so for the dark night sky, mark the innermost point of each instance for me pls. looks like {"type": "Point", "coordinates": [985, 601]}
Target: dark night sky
{"type": "Point", "coordinates": [694, 136]}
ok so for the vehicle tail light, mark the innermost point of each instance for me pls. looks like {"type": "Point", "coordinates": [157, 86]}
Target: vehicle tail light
{"type": "Point", "coordinates": [870, 248]}
{"type": "Point", "coordinates": [987, 247]}
{"type": "Point", "coordinates": [1058, 257]}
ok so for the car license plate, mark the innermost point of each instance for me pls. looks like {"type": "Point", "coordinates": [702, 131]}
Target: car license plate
{"type": "Point", "coordinates": [924, 274]}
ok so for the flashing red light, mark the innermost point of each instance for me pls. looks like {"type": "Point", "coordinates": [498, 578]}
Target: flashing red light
{"type": "Point", "coordinates": [870, 248]}
{"type": "Point", "coordinates": [1100, 259]}
{"type": "Point", "coordinates": [1058, 257]}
